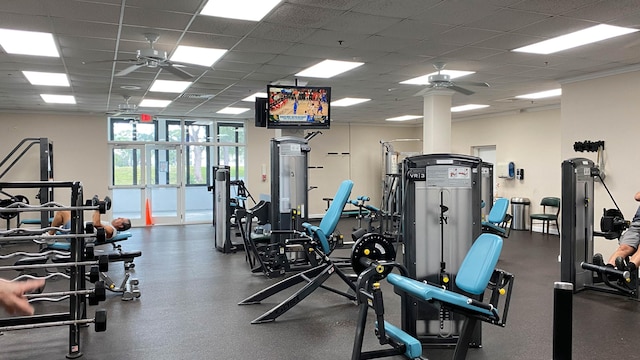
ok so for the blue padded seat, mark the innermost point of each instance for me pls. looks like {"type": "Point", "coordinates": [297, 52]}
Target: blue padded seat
{"type": "Point", "coordinates": [497, 216]}
{"type": "Point", "coordinates": [473, 276]}
{"type": "Point", "coordinates": [330, 220]}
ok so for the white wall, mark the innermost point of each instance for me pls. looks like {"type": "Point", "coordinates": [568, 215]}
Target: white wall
{"type": "Point", "coordinates": [531, 140]}
{"type": "Point", "coordinates": [359, 158]}
{"type": "Point", "coordinates": [606, 109]}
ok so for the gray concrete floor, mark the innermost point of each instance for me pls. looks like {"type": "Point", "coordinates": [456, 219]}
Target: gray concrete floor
{"type": "Point", "coordinates": [188, 310]}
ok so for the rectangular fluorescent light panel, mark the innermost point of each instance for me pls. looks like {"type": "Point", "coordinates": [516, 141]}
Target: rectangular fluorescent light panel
{"type": "Point", "coordinates": [329, 68]}
{"type": "Point", "coordinates": [253, 97]}
{"type": "Point", "coordinates": [348, 101]}
{"type": "Point", "coordinates": [404, 118]}
{"type": "Point", "coordinates": [28, 43]}
{"type": "Point", "coordinates": [252, 10]}
{"type": "Point", "coordinates": [170, 86]}
{"type": "Point", "coordinates": [232, 110]}
{"type": "Point", "coordinates": [154, 103]}
{"type": "Point", "coordinates": [541, 95]}
{"type": "Point", "coordinates": [424, 79]}
{"type": "Point", "coordinates": [575, 39]}
{"type": "Point", "coordinates": [58, 99]}
{"type": "Point", "coordinates": [46, 78]}
{"type": "Point", "coordinates": [468, 107]}
{"type": "Point", "coordinates": [197, 55]}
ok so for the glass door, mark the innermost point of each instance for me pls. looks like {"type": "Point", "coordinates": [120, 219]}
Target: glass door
{"type": "Point", "coordinates": [128, 179]}
{"type": "Point", "coordinates": [163, 170]}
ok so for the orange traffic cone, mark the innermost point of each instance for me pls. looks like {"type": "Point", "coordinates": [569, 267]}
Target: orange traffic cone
{"type": "Point", "coordinates": [149, 220]}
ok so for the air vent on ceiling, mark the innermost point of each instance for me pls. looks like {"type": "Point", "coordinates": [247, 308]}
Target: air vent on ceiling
{"type": "Point", "coordinates": [197, 96]}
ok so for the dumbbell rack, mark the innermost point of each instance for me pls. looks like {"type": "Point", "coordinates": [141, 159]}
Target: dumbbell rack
{"type": "Point", "coordinates": [77, 315]}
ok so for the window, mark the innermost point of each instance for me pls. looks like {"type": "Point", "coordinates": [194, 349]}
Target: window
{"type": "Point", "coordinates": [232, 155]}
{"type": "Point", "coordinates": [198, 156]}
{"type": "Point", "coordinates": [132, 130]}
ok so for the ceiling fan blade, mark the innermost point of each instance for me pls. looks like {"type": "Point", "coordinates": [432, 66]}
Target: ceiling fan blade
{"type": "Point", "coordinates": [129, 70]}
{"type": "Point", "coordinates": [460, 90]}
{"type": "Point", "coordinates": [110, 61]}
{"type": "Point", "coordinates": [177, 72]}
{"type": "Point", "coordinates": [472, 83]}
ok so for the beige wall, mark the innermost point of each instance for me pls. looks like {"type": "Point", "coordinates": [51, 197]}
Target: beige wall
{"type": "Point", "coordinates": [606, 109]}
{"type": "Point", "coordinates": [531, 140]}
{"type": "Point", "coordinates": [79, 150]}
{"type": "Point", "coordinates": [359, 158]}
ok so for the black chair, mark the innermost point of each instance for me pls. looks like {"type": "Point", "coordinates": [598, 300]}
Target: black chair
{"type": "Point", "coordinates": [547, 216]}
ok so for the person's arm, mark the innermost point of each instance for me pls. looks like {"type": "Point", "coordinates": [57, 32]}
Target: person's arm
{"type": "Point", "coordinates": [637, 197]}
{"type": "Point", "coordinates": [12, 296]}
{"type": "Point", "coordinates": [108, 230]}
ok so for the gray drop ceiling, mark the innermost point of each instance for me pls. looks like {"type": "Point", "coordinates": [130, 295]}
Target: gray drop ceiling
{"type": "Point", "coordinates": [396, 39]}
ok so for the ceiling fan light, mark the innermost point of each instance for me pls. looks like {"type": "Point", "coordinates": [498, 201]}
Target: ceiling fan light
{"type": "Point", "coordinates": [197, 55]}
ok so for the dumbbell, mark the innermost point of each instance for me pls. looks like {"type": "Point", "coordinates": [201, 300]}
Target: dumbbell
{"type": "Point", "coordinates": [100, 321]}
{"type": "Point", "coordinates": [103, 205]}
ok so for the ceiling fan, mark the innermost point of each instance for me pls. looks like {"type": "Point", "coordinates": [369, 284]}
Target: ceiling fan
{"type": "Point", "coordinates": [440, 81]}
{"type": "Point", "coordinates": [125, 109]}
{"type": "Point", "coordinates": [154, 58]}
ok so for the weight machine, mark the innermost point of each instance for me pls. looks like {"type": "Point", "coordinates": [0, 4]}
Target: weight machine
{"type": "Point", "coordinates": [441, 219]}
{"type": "Point", "coordinates": [391, 207]}
{"type": "Point", "coordinates": [576, 246]}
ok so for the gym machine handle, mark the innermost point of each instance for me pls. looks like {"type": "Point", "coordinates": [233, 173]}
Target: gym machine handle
{"type": "Point", "coordinates": [606, 270]}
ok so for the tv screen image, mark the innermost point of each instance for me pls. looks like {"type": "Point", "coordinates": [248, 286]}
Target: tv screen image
{"type": "Point", "coordinates": [298, 106]}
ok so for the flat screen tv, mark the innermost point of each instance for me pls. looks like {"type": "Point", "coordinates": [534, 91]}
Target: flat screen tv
{"type": "Point", "coordinates": [298, 107]}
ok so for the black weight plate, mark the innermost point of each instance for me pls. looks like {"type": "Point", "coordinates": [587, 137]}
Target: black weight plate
{"type": "Point", "coordinates": [372, 246]}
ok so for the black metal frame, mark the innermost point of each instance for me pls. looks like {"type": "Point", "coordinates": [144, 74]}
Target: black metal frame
{"type": "Point", "coordinates": [315, 277]}
{"type": "Point", "coordinates": [77, 280]}
{"type": "Point", "coordinates": [370, 296]}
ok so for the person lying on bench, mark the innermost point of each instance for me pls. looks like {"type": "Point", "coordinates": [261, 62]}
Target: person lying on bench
{"type": "Point", "coordinates": [62, 219]}
{"type": "Point", "coordinates": [12, 295]}
{"type": "Point", "coordinates": [629, 244]}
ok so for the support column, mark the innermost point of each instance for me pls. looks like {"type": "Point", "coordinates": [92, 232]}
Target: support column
{"type": "Point", "coordinates": [436, 128]}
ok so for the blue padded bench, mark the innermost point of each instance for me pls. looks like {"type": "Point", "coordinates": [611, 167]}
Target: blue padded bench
{"type": "Point", "coordinates": [32, 222]}
{"type": "Point", "coordinates": [498, 218]}
{"type": "Point", "coordinates": [66, 246]}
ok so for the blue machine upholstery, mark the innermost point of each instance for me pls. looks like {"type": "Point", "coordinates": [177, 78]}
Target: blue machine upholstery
{"type": "Point", "coordinates": [330, 220]}
{"type": "Point", "coordinates": [473, 276]}
{"type": "Point", "coordinates": [497, 216]}
{"type": "Point", "coordinates": [413, 347]}
{"type": "Point", "coordinates": [66, 246]}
